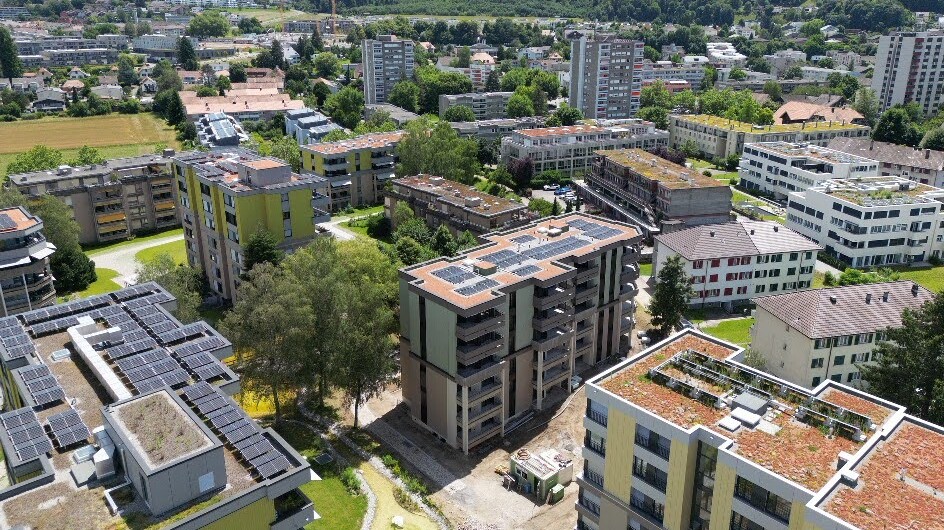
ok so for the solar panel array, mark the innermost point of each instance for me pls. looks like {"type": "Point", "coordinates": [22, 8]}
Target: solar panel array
{"type": "Point", "coordinates": [237, 430]}
{"type": "Point", "coordinates": [594, 230]}
{"type": "Point", "coordinates": [135, 291]}
{"type": "Point", "coordinates": [6, 223]}
{"type": "Point", "coordinates": [503, 258]}
{"type": "Point", "coordinates": [183, 333]}
{"type": "Point", "coordinates": [477, 287]}
{"type": "Point", "coordinates": [41, 385]}
{"type": "Point", "coordinates": [453, 274]}
{"type": "Point", "coordinates": [526, 270]}
{"type": "Point", "coordinates": [196, 356]}
{"type": "Point", "coordinates": [62, 310]}
{"type": "Point", "coordinates": [67, 428]}
{"type": "Point", "coordinates": [14, 339]}
{"type": "Point", "coordinates": [524, 239]}
{"type": "Point", "coordinates": [26, 434]}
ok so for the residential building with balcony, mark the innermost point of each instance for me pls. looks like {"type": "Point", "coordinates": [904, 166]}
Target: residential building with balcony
{"type": "Point", "coordinates": [227, 195]}
{"type": "Point", "coordinates": [117, 411]}
{"type": "Point", "coordinates": [810, 336]}
{"type": "Point", "coordinates": [438, 201]}
{"type": "Point", "coordinates": [716, 137]}
{"type": "Point", "coordinates": [638, 187]}
{"type": "Point", "coordinates": [683, 436]}
{"type": "Point", "coordinates": [356, 169]}
{"type": "Point", "coordinates": [873, 221]}
{"type": "Point", "coordinates": [920, 165]}
{"type": "Point", "coordinates": [26, 282]}
{"type": "Point", "coordinates": [112, 200]}
{"type": "Point", "coordinates": [308, 126]}
{"type": "Point", "coordinates": [667, 71]}
{"type": "Point", "coordinates": [387, 60]}
{"type": "Point", "coordinates": [606, 74]}
{"type": "Point", "coordinates": [497, 332]}
{"type": "Point", "coordinates": [570, 149]}
{"type": "Point", "coordinates": [731, 263]}
{"type": "Point", "coordinates": [485, 105]}
{"type": "Point", "coordinates": [496, 129]}
{"type": "Point", "coordinates": [908, 68]}
{"type": "Point", "coordinates": [779, 168]}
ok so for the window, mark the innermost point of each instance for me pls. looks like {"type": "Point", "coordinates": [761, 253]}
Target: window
{"type": "Point", "coordinates": [839, 360]}
{"type": "Point", "coordinates": [728, 291]}
{"type": "Point", "coordinates": [762, 499]}
{"type": "Point", "coordinates": [817, 363]}
{"type": "Point", "coordinates": [844, 340]}
{"type": "Point", "coordinates": [713, 278]}
{"type": "Point", "coordinates": [853, 376]}
{"type": "Point", "coordinates": [698, 264]}
{"type": "Point", "coordinates": [716, 263]}
{"type": "Point", "coordinates": [837, 378]}
{"type": "Point", "coordinates": [816, 381]}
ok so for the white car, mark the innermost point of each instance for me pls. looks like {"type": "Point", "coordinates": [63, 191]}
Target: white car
{"type": "Point", "coordinates": [575, 382]}
{"type": "Point", "coordinates": [550, 187]}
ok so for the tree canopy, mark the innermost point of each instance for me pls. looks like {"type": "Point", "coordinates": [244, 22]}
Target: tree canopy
{"type": "Point", "coordinates": [671, 296]}
{"type": "Point", "coordinates": [436, 149]}
{"type": "Point", "coordinates": [208, 24]}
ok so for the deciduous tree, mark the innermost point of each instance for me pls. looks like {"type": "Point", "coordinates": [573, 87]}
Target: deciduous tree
{"type": "Point", "coordinates": [671, 296]}
{"type": "Point", "coordinates": [182, 281]}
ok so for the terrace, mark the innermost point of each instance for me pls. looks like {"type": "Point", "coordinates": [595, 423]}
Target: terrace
{"type": "Point", "coordinates": [737, 126]}
{"type": "Point", "coordinates": [654, 167]}
{"type": "Point", "coordinates": [881, 191]}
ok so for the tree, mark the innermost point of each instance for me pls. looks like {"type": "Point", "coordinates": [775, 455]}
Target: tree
{"type": "Point", "coordinates": [933, 139]}
{"type": "Point", "coordinates": [406, 95]}
{"type": "Point", "coordinates": [346, 106]}
{"type": "Point", "coordinates": [10, 65]}
{"type": "Point", "coordinates": [656, 95]}
{"type": "Point", "coordinates": [444, 242]}
{"type": "Point", "coordinates": [327, 65]}
{"type": "Point", "coordinates": [671, 296]}
{"type": "Point", "coordinates": [896, 126]}
{"type": "Point", "coordinates": [543, 207]}
{"type": "Point", "coordinates": [737, 74]}
{"type": "Point", "coordinates": [467, 240]}
{"type": "Point", "coordinates": [237, 73]}
{"type": "Point", "coordinates": [261, 247]}
{"type": "Point", "coordinates": [519, 106]}
{"type": "Point", "coordinates": [321, 92]}
{"type": "Point", "coordinates": [685, 102]}
{"type": "Point", "coordinates": [127, 75]}
{"type": "Point", "coordinates": [433, 83]}
{"type": "Point", "coordinates": [402, 214]}
{"type": "Point", "coordinates": [437, 149]}
{"type": "Point", "coordinates": [37, 158]}
{"type": "Point", "coordinates": [568, 115]}
{"type": "Point", "coordinates": [491, 83]}
{"type": "Point", "coordinates": [410, 252]}
{"type": "Point", "coordinates": [250, 25]}
{"type": "Point", "coordinates": [463, 58]}
{"type": "Point", "coordinates": [175, 112]}
{"type": "Point", "coordinates": [794, 72]}
{"type": "Point", "coordinates": [186, 55]}
{"type": "Point", "coordinates": [774, 90]}
{"type": "Point", "coordinates": [87, 156]}
{"type": "Point", "coordinates": [651, 53]}
{"type": "Point", "coordinates": [458, 113]}
{"type": "Point", "coordinates": [182, 281]}
{"type": "Point", "coordinates": [208, 24]}
{"type": "Point", "coordinates": [657, 115]}
{"type": "Point", "coordinates": [522, 171]}
{"type": "Point", "coordinates": [852, 276]}
{"type": "Point", "coordinates": [204, 91]}
{"type": "Point", "coordinates": [911, 361]}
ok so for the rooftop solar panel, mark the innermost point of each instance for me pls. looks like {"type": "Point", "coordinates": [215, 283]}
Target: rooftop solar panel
{"type": "Point", "coordinates": [477, 287]}
{"type": "Point", "coordinates": [197, 391]}
{"type": "Point", "coordinates": [248, 442]}
{"type": "Point", "coordinates": [34, 372]}
{"type": "Point", "coordinates": [274, 467]}
{"type": "Point", "coordinates": [524, 239]}
{"type": "Point", "coordinates": [68, 428]}
{"type": "Point", "coordinates": [210, 371]}
{"type": "Point", "coordinates": [527, 270]}
{"type": "Point", "coordinates": [26, 434]}
{"type": "Point", "coordinates": [453, 274]}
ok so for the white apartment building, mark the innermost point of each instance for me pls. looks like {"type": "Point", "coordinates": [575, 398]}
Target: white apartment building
{"type": "Point", "coordinates": [732, 262]}
{"type": "Point", "coordinates": [724, 54]}
{"type": "Point", "coordinates": [386, 60]}
{"type": "Point", "coordinates": [570, 149]}
{"type": "Point", "coordinates": [820, 75]}
{"type": "Point", "coordinates": [781, 60]}
{"type": "Point", "coordinates": [871, 221]}
{"type": "Point", "coordinates": [668, 71]}
{"type": "Point", "coordinates": [810, 336]}
{"type": "Point", "coordinates": [605, 75]}
{"type": "Point", "coordinates": [779, 168]}
{"type": "Point", "coordinates": [909, 66]}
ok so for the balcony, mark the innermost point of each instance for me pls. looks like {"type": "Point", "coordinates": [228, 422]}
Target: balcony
{"type": "Point", "coordinates": [588, 272]}
{"type": "Point", "coordinates": [469, 328]}
{"type": "Point", "coordinates": [293, 510]}
{"type": "Point", "coordinates": [488, 428]}
{"type": "Point", "coordinates": [553, 376]}
{"type": "Point", "coordinates": [630, 273]}
{"type": "Point", "coordinates": [551, 338]}
{"type": "Point", "coordinates": [593, 478]}
{"type": "Point", "coordinates": [555, 355]}
{"type": "Point", "coordinates": [487, 389]}
{"type": "Point", "coordinates": [584, 309]}
{"type": "Point", "coordinates": [598, 417]}
{"type": "Point", "coordinates": [547, 298]}
{"type": "Point", "coordinates": [653, 446]}
{"type": "Point", "coordinates": [480, 371]}
{"type": "Point", "coordinates": [630, 255]}
{"type": "Point", "coordinates": [474, 351]}
{"type": "Point", "coordinates": [627, 322]}
{"type": "Point", "coordinates": [655, 480]}
{"type": "Point", "coordinates": [598, 447]}
{"type": "Point", "coordinates": [629, 289]}
{"type": "Point", "coordinates": [484, 411]}
{"type": "Point", "coordinates": [649, 508]}
{"type": "Point", "coordinates": [551, 318]}
{"type": "Point", "coordinates": [592, 506]}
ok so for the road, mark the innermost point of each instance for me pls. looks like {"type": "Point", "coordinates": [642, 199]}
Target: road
{"type": "Point", "coordinates": [121, 259]}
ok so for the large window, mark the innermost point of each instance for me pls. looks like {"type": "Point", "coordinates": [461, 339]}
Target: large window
{"type": "Point", "coordinates": [739, 522]}
{"type": "Point", "coordinates": [704, 485]}
{"type": "Point", "coordinates": [762, 499]}
{"type": "Point", "coordinates": [649, 474]}
{"type": "Point", "coordinates": [647, 506]}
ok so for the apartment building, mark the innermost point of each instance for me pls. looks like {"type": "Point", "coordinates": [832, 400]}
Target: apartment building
{"type": "Point", "coordinates": [26, 282]}
{"type": "Point", "coordinates": [227, 195]}
{"type": "Point", "coordinates": [438, 201]}
{"type": "Point", "coordinates": [725, 55]}
{"type": "Point", "coordinates": [605, 75]}
{"type": "Point", "coordinates": [668, 71]}
{"type": "Point", "coordinates": [307, 125]}
{"type": "Point", "coordinates": [497, 332]}
{"type": "Point", "coordinates": [112, 200]}
{"type": "Point", "coordinates": [253, 104]}
{"type": "Point", "coordinates": [873, 221]}
{"type": "Point", "coordinates": [496, 129]}
{"type": "Point", "coordinates": [780, 61]}
{"type": "Point", "coordinates": [908, 67]}
{"type": "Point", "coordinates": [114, 391]}
{"type": "Point", "coordinates": [641, 188]}
{"type": "Point", "coordinates": [810, 336]}
{"type": "Point", "coordinates": [387, 60]}
{"type": "Point", "coordinates": [716, 137]}
{"type": "Point", "coordinates": [356, 169]}
{"type": "Point", "coordinates": [921, 165]}
{"type": "Point", "coordinates": [570, 149]}
{"type": "Point", "coordinates": [485, 105]}
{"type": "Point", "coordinates": [779, 168]}
{"type": "Point", "coordinates": [682, 436]}
{"type": "Point", "coordinates": [69, 57]}
{"type": "Point", "coordinates": [731, 263]}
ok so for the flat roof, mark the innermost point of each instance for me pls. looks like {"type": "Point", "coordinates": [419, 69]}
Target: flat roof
{"type": "Point", "coordinates": [366, 141]}
{"type": "Point", "coordinates": [654, 167]}
{"type": "Point", "coordinates": [561, 131]}
{"type": "Point", "coordinates": [732, 125]}
{"type": "Point", "coordinates": [16, 219]}
{"type": "Point", "coordinates": [151, 162]}
{"type": "Point", "coordinates": [159, 428]}
{"type": "Point", "coordinates": [460, 195]}
{"type": "Point", "coordinates": [221, 166]}
{"type": "Point", "coordinates": [881, 191]}
{"type": "Point", "coordinates": [522, 254]}
{"type": "Point", "coordinates": [814, 152]}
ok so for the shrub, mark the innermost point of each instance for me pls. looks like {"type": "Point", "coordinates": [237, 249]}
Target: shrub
{"type": "Point", "coordinates": [350, 480]}
{"type": "Point", "coordinates": [935, 261]}
{"type": "Point", "coordinates": [405, 501]}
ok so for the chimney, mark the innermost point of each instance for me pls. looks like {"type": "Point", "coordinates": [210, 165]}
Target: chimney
{"type": "Point", "coordinates": [868, 298]}
{"type": "Point", "coordinates": [885, 296]}
{"type": "Point", "coordinates": [914, 289]}
{"type": "Point", "coordinates": [776, 228]}
{"type": "Point", "coordinates": [927, 154]}
{"type": "Point", "coordinates": [832, 299]}
{"type": "Point", "coordinates": [711, 233]}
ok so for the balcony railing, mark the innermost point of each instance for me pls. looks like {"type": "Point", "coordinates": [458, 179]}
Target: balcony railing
{"type": "Point", "coordinates": [653, 479]}
{"type": "Point", "coordinates": [593, 477]}
{"type": "Point", "coordinates": [598, 447]}
{"type": "Point", "coordinates": [652, 446]}
{"type": "Point", "coordinates": [486, 388]}
{"type": "Point", "coordinates": [649, 508]}
{"type": "Point", "coordinates": [485, 410]}
{"type": "Point", "coordinates": [597, 417]}
{"type": "Point", "coordinates": [593, 507]}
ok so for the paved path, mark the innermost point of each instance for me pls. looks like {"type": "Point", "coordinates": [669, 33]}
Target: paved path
{"type": "Point", "coordinates": [339, 232]}
{"type": "Point", "coordinates": [824, 268]}
{"type": "Point", "coordinates": [121, 259]}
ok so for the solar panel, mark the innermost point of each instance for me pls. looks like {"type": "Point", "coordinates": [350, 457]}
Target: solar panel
{"type": "Point", "coordinates": [211, 405]}
{"type": "Point", "coordinates": [522, 240]}
{"type": "Point", "coordinates": [6, 223]}
{"type": "Point", "coordinates": [8, 322]}
{"type": "Point", "coordinates": [244, 431]}
{"type": "Point", "coordinates": [264, 458]}
{"type": "Point", "coordinates": [47, 397]}
{"type": "Point", "coordinates": [197, 391]}
{"type": "Point", "coordinates": [68, 428]}
{"type": "Point", "coordinates": [34, 372]}
{"type": "Point", "coordinates": [273, 468]}
{"type": "Point", "coordinates": [225, 409]}
{"type": "Point", "coordinates": [226, 419]}
{"type": "Point", "coordinates": [162, 327]}
{"type": "Point", "coordinates": [247, 442]}
{"type": "Point", "coordinates": [197, 360]}
{"type": "Point", "coordinates": [186, 332]}
{"type": "Point", "coordinates": [203, 345]}
{"type": "Point", "coordinates": [527, 270]}
{"type": "Point", "coordinates": [210, 371]}
{"type": "Point", "coordinates": [264, 446]}
{"type": "Point", "coordinates": [477, 287]}
{"type": "Point", "coordinates": [26, 434]}
{"type": "Point", "coordinates": [503, 258]}
{"type": "Point", "coordinates": [453, 274]}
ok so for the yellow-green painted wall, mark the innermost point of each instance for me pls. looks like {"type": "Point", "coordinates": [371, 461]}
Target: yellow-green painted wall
{"type": "Point", "coordinates": [619, 456]}
{"type": "Point", "coordinates": [258, 515]}
{"type": "Point", "coordinates": [441, 337]}
{"type": "Point", "coordinates": [797, 516]}
{"type": "Point", "coordinates": [265, 209]}
{"type": "Point", "coordinates": [678, 493]}
{"type": "Point", "coordinates": [723, 497]}
{"type": "Point", "coordinates": [299, 203]}
{"type": "Point", "coordinates": [315, 162]}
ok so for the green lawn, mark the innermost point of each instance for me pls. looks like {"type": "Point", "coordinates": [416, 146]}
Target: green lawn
{"type": "Point", "coordinates": [92, 250]}
{"type": "Point", "coordinates": [360, 212]}
{"type": "Point", "coordinates": [818, 280]}
{"type": "Point", "coordinates": [176, 249]}
{"type": "Point", "coordinates": [645, 269]}
{"type": "Point", "coordinates": [212, 315]}
{"type": "Point", "coordinates": [930, 277]}
{"type": "Point", "coordinates": [104, 284]}
{"type": "Point", "coordinates": [736, 330]}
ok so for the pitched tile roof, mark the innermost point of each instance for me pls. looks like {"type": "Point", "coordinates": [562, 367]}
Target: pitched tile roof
{"type": "Point", "coordinates": [819, 313]}
{"type": "Point", "coordinates": [890, 153]}
{"type": "Point", "coordinates": [740, 238]}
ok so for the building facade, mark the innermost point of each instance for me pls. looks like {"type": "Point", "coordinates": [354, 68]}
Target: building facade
{"type": "Point", "coordinates": [570, 149]}
{"type": "Point", "coordinates": [26, 282]}
{"type": "Point", "coordinates": [605, 75]}
{"type": "Point", "coordinates": [307, 125]}
{"type": "Point", "coordinates": [716, 137]}
{"type": "Point", "coordinates": [668, 71]}
{"type": "Point", "coordinates": [492, 334]}
{"type": "Point", "coordinates": [921, 165]}
{"type": "Point", "coordinates": [386, 60]}
{"type": "Point", "coordinates": [682, 436]}
{"type": "Point", "coordinates": [779, 168]}
{"type": "Point", "coordinates": [731, 263]}
{"type": "Point", "coordinates": [803, 341]}
{"type": "Point", "coordinates": [226, 196]}
{"type": "Point", "coordinates": [112, 200]}
{"type": "Point", "coordinates": [356, 169]}
{"type": "Point", "coordinates": [639, 187]}
{"type": "Point", "coordinates": [873, 221]}
{"type": "Point", "coordinates": [908, 67]}
{"type": "Point", "coordinates": [438, 201]}
{"type": "Point", "coordinates": [485, 105]}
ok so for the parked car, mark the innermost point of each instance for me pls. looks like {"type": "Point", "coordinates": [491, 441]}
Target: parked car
{"type": "Point", "coordinates": [562, 191]}
{"type": "Point", "coordinates": [550, 187]}
{"type": "Point", "coordinates": [575, 382]}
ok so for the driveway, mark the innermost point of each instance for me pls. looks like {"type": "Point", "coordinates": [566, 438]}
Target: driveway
{"type": "Point", "coordinates": [339, 232]}
{"type": "Point", "coordinates": [121, 259]}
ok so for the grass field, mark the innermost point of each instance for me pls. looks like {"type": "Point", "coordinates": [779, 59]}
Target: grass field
{"type": "Point", "coordinates": [92, 251]}
{"type": "Point", "coordinates": [104, 284]}
{"type": "Point", "coordinates": [931, 278]}
{"type": "Point", "coordinates": [270, 17]}
{"type": "Point", "coordinates": [645, 269]}
{"type": "Point", "coordinates": [176, 250]}
{"type": "Point", "coordinates": [736, 330]}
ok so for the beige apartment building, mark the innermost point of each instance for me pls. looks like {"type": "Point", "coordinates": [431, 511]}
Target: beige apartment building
{"type": "Point", "coordinates": [485, 105]}
{"type": "Point", "coordinates": [493, 334]}
{"type": "Point", "coordinates": [439, 201]}
{"type": "Point", "coordinates": [111, 200]}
